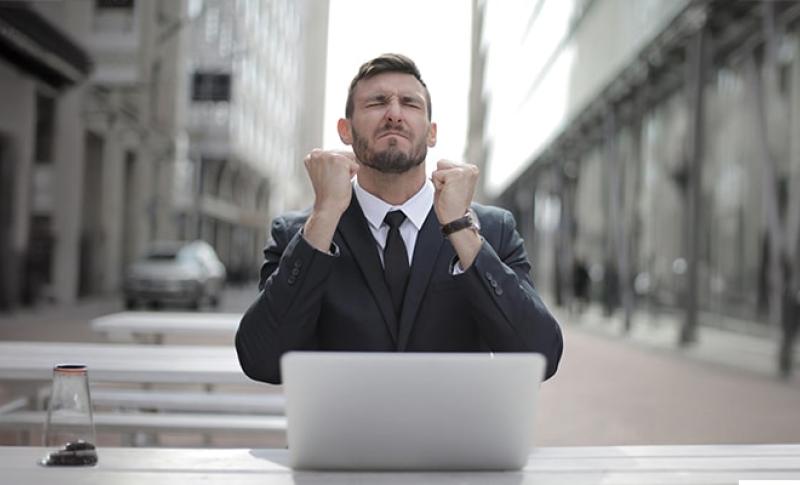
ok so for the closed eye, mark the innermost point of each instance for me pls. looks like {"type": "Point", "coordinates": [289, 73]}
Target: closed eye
{"type": "Point", "coordinates": [377, 101]}
{"type": "Point", "coordinates": [412, 102]}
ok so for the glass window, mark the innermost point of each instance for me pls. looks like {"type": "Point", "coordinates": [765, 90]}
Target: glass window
{"type": "Point", "coordinates": [212, 24]}
{"type": "Point", "coordinates": [113, 16]}
{"type": "Point", "coordinates": [120, 4]}
{"type": "Point", "coordinates": [155, 101]}
{"type": "Point", "coordinates": [45, 128]}
{"type": "Point", "coordinates": [209, 86]}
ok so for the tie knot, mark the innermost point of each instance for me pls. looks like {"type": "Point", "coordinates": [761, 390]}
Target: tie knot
{"type": "Point", "coordinates": [394, 218]}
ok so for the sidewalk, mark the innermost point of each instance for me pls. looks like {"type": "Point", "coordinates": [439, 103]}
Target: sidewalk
{"type": "Point", "coordinates": [70, 322]}
{"type": "Point", "coordinates": [720, 344]}
{"type": "Point", "coordinates": [59, 323]}
{"type": "Point", "coordinates": [611, 388]}
{"type": "Point", "coordinates": [754, 352]}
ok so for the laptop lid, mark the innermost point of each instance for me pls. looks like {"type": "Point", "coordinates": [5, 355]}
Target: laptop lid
{"type": "Point", "coordinates": [410, 411]}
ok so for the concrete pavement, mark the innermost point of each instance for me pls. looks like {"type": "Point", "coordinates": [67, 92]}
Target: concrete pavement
{"type": "Point", "coordinates": [70, 323]}
{"type": "Point", "coordinates": [617, 391]}
{"type": "Point", "coordinates": [745, 346]}
{"type": "Point", "coordinates": [638, 389]}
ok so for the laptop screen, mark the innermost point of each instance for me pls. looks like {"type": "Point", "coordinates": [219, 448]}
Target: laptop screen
{"type": "Point", "coordinates": [411, 411]}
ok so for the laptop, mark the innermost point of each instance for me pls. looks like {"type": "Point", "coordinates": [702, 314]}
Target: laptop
{"type": "Point", "coordinates": [410, 411]}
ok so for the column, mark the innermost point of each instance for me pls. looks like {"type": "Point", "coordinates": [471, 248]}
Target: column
{"type": "Point", "coordinates": [68, 194]}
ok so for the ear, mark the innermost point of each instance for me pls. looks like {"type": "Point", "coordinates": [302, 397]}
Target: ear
{"type": "Point", "coordinates": [345, 134]}
{"type": "Point", "coordinates": [432, 135]}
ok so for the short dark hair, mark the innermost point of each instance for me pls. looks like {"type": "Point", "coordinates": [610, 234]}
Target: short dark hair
{"type": "Point", "coordinates": [379, 65]}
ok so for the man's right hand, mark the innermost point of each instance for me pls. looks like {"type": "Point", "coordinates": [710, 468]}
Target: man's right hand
{"type": "Point", "coordinates": [330, 173]}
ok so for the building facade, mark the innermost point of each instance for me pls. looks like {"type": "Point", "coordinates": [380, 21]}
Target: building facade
{"type": "Point", "coordinates": [256, 86]}
{"type": "Point", "coordinates": [101, 206]}
{"type": "Point", "coordinates": [653, 141]}
{"type": "Point", "coordinates": [43, 73]}
{"type": "Point", "coordinates": [190, 121]}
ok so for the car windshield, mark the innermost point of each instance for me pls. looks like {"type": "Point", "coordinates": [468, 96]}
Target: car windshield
{"type": "Point", "coordinates": [161, 256]}
{"type": "Point", "coordinates": [172, 254]}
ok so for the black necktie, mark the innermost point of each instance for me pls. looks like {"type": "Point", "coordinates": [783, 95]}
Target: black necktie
{"type": "Point", "coordinates": [395, 260]}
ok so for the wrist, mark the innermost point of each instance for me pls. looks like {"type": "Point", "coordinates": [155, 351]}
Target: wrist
{"type": "Point", "coordinates": [326, 213]}
{"type": "Point", "coordinates": [467, 221]}
{"type": "Point", "coordinates": [467, 245]}
{"type": "Point", "coordinates": [319, 229]}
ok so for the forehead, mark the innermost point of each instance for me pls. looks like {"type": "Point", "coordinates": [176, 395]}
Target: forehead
{"type": "Point", "coordinates": [390, 83]}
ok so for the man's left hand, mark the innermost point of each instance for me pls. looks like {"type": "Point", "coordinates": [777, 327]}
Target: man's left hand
{"type": "Point", "coordinates": [455, 185]}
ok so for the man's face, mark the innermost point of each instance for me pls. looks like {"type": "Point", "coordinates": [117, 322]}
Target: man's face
{"type": "Point", "coordinates": [389, 128]}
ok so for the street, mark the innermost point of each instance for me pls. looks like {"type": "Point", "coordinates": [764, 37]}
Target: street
{"type": "Point", "coordinates": [608, 391]}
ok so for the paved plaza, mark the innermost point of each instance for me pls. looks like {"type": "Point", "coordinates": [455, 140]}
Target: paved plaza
{"type": "Point", "coordinates": [609, 390]}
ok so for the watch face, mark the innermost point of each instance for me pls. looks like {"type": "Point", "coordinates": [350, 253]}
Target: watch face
{"type": "Point", "coordinates": [476, 223]}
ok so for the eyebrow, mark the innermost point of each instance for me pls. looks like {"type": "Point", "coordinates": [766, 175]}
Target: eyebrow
{"type": "Point", "coordinates": [405, 97]}
{"type": "Point", "coordinates": [410, 97]}
{"type": "Point", "coordinates": [376, 97]}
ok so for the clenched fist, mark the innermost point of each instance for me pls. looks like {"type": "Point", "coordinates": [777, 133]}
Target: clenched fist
{"type": "Point", "coordinates": [455, 186]}
{"type": "Point", "coordinates": [330, 173]}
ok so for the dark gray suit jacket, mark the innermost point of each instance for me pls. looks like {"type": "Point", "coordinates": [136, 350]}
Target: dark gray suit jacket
{"type": "Point", "coordinates": [310, 300]}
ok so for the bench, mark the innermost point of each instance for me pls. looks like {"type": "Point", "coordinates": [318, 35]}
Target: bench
{"type": "Point", "coordinates": [177, 411]}
{"type": "Point", "coordinates": [198, 401]}
{"type": "Point", "coordinates": [152, 327]}
{"type": "Point", "coordinates": [14, 405]}
{"type": "Point", "coordinates": [137, 422]}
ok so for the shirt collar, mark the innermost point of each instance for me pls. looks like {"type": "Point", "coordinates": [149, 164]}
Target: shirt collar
{"type": "Point", "coordinates": [416, 208]}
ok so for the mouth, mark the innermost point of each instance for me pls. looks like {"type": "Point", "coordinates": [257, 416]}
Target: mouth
{"type": "Point", "coordinates": [392, 133]}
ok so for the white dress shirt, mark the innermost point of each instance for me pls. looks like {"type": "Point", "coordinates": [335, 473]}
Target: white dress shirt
{"type": "Point", "coordinates": [416, 210]}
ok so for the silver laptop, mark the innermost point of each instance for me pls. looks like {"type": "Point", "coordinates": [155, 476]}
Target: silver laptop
{"type": "Point", "coordinates": [410, 411]}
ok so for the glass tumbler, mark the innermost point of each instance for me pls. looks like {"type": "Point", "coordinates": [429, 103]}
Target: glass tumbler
{"type": "Point", "coordinates": [69, 412]}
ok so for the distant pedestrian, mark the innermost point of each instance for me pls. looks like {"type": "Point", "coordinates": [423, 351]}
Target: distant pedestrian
{"type": "Point", "coordinates": [580, 284]}
{"type": "Point", "coordinates": [610, 288]}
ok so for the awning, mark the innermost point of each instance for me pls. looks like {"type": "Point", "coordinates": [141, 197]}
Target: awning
{"type": "Point", "coordinates": [34, 45]}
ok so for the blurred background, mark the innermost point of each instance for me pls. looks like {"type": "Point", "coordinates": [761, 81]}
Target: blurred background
{"type": "Point", "coordinates": [648, 149]}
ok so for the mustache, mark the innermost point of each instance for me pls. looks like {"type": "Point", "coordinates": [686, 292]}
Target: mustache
{"type": "Point", "coordinates": [389, 128]}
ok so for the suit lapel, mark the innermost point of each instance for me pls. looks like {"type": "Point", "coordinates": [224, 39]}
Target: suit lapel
{"type": "Point", "coordinates": [426, 250]}
{"type": "Point", "coordinates": [354, 230]}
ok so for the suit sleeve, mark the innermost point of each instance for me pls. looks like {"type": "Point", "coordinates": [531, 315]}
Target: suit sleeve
{"type": "Point", "coordinates": [509, 313]}
{"type": "Point", "coordinates": [284, 315]}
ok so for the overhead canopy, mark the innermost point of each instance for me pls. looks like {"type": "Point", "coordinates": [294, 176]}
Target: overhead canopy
{"type": "Point", "coordinates": [34, 45]}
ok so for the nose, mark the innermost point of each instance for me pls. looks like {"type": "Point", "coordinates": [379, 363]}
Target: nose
{"type": "Point", "coordinates": [393, 112]}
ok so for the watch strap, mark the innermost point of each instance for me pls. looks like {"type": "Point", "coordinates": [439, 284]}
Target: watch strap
{"type": "Point", "coordinates": [458, 224]}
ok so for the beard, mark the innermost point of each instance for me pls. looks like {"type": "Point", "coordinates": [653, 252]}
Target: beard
{"type": "Point", "coordinates": [392, 159]}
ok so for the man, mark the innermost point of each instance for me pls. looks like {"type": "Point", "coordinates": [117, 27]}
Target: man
{"type": "Point", "coordinates": [388, 260]}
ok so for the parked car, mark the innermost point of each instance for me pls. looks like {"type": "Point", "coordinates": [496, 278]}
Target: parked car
{"type": "Point", "coordinates": [172, 272]}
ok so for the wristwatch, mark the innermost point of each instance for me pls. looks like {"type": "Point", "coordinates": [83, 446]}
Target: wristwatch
{"type": "Point", "coordinates": [467, 221]}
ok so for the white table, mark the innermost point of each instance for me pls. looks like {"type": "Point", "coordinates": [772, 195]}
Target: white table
{"type": "Point", "coordinates": [151, 327]}
{"type": "Point", "coordinates": [124, 363]}
{"type": "Point", "coordinates": [641, 465]}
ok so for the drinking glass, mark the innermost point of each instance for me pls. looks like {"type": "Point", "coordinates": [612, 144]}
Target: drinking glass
{"type": "Point", "coordinates": [69, 412]}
